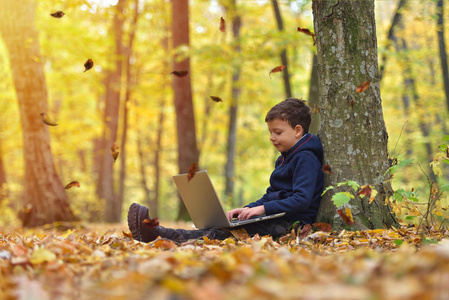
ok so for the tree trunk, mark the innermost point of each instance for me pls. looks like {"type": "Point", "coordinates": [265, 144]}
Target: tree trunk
{"type": "Point", "coordinates": [129, 83]}
{"type": "Point", "coordinates": [396, 18]}
{"type": "Point", "coordinates": [111, 115]}
{"type": "Point", "coordinates": [352, 130]}
{"type": "Point", "coordinates": [185, 118]}
{"type": "Point", "coordinates": [314, 96]}
{"type": "Point", "coordinates": [233, 109]}
{"type": "Point", "coordinates": [45, 200]}
{"type": "Point", "coordinates": [442, 47]}
{"type": "Point", "coordinates": [285, 73]}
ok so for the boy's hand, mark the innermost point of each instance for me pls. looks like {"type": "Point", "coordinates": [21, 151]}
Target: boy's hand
{"type": "Point", "coordinates": [246, 212]}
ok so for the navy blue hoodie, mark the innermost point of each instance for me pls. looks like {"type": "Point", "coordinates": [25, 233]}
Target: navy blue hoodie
{"type": "Point", "coordinates": [297, 182]}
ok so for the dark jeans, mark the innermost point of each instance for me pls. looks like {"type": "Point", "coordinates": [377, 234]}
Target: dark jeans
{"type": "Point", "coordinates": [273, 227]}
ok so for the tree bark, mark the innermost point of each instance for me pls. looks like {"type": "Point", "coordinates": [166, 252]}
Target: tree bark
{"type": "Point", "coordinates": [185, 118]}
{"type": "Point", "coordinates": [105, 188]}
{"type": "Point", "coordinates": [284, 60]}
{"type": "Point", "coordinates": [314, 96]}
{"type": "Point", "coordinates": [129, 83]}
{"type": "Point", "coordinates": [233, 109]}
{"type": "Point", "coordinates": [45, 200]}
{"type": "Point", "coordinates": [352, 130]}
{"type": "Point", "coordinates": [442, 48]}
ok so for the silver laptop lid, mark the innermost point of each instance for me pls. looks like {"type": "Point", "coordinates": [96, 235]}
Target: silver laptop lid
{"type": "Point", "coordinates": [201, 200]}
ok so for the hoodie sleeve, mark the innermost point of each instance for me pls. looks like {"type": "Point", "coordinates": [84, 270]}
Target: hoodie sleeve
{"type": "Point", "coordinates": [304, 181]}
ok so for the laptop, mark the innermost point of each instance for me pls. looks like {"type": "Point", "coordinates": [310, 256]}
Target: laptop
{"type": "Point", "coordinates": [204, 206]}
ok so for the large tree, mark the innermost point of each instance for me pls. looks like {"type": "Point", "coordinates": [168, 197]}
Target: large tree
{"type": "Point", "coordinates": [352, 129]}
{"type": "Point", "coordinates": [45, 200]}
{"type": "Point", "coordinates": [185, 118]}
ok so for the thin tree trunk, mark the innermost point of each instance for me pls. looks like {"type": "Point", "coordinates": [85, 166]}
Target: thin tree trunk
{"type": "Point", "coordinates": [45, 200]}
{"type": "Point", "coordinates": [143, 175]}
{"type": "Point", "coordinates": [285, 73]}
{"type": "Point", "coordinates": [233, 109]}
{"type": "Point", "coordinates": [396, 18]}
{"type": "Point", "coordinates": [352, 131]}
{"type": "Point", "coordinates": [183, 100]}
{"type": "Point", "coordinates": [111, 116]}
{"type": "Point", "coordinates": [127, 63]}
{"type": "Point", "coordinates": [442, 48]}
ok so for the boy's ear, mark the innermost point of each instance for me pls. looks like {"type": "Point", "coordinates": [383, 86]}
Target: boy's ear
{"type": "Point", "coordinates": [299, 131]}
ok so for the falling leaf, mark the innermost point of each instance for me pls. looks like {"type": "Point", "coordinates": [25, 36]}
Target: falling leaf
{"type": "Point", "coordinates": [216, 99]}
{"type": "Point", "coordinates": [47, 120]}
{"type": "Point", "coordinates": [180, 73]}
{"type": "Point", "coordinates": [307, 31]}
{"type": "Point", "coordinates": [88, 64]}
{"type": "Point", "coordinates": [114, 151]}
{"type": "Point", "coordinates": [326, 227]}
{"type": "Point", "coordinates": [58, 14]}
{"type": "Point", "coordinates": [192, 172]}
{"type": "Point", "coordinates": [363, 86]}
{"type": "Point", "coordinates": [316, 109]}
{"type": "Point", "coordinates": [346, 216]}
{"type": "Point", "coordinates": [151, 223]}
{"type": "Point", "coordinates": [222, 25]}
{"type": "Point", "coordinates": [73, 183]}
{"type": "Point", "coordinates": [327, 169]}
{"type": "Point", "coordinates": [277, 69]}
{"type": "Point", "coordinates": [365, 191]}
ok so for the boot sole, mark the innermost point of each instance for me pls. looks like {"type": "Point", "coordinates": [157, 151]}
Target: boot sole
{"type": "Point", "coordinates": [136, 214]}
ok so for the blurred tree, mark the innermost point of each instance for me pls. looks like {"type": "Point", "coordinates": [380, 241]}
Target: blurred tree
{"type": "Point", "coordinates": [3, 190]}
{"type": "Point", "coordinates": [45, 200]}
{"type": "Point", "coordinates": [352, 130]}
{"type": "Point", "coordinates": [182, 88]}
{"type": "Point", "coordinates": [234, 106]}
{"type": "Point", "coordinates": [442, 48]}
{"type": "Point", "coordinates": [284, 60]}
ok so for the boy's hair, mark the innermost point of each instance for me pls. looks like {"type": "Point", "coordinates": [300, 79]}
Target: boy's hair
{"type": "Point", "coordinates": [293, 111]}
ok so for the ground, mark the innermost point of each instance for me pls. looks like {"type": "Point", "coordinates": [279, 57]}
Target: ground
{"type": "Point", "coordinates": [98, 261]}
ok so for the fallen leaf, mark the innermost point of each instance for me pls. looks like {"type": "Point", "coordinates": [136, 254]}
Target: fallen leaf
{"type": "Point", "coordinates": [326, 227]}
{"type": "Point", "coordinates": [42, 255]}
{"type": "Point", "coordinates": [240, 234]}
{"type": "Point", "coordinates": [277, 69]}
{"type": "Point", "coordinates": [363, 86]}
{"type": "Point", "coordinates": [73, 183]}
{"type": "Point", "coordinates": [346, 216]}
{"type": "Point", "coordinates": [151, 223]}
{"type": "Point", "coordinates": [216, 99]}
{"type": "Point", "coordinates": [222, 25]}
{"type": "Point", "coordinates": [180, 73]}
{"type": "Point", "coordinates": [327, 169]}
{"type": "Point", "coordinates": [305, 230]}
{"type": "Point", "coordinates": [47, 121]}
{"type": "Point", "coordinates": [114, 151]}
{"type": "Point", "coordinates": [192, 172]}
{"type": "Point", "coordinates": [58, 14]}
{"type": "Point", "coordinates": [88, 64]}
{"type": "Point", "coordinates": [308, 32]}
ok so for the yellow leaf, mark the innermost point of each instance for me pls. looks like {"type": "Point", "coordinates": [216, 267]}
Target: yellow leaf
{"type": "Point", "coordinates": [349, 214]}
{"type": "Point", "coordinates": [373, 195]}
{"type": "Point", "coordinates": [42, 255]}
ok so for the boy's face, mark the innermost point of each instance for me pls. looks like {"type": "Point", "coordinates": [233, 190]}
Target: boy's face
{"type": "Point", "coordinates": [282, 135]}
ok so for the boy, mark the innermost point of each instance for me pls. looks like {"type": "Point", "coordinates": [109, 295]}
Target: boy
{"type": "Point", "coordinates": [295, 187]}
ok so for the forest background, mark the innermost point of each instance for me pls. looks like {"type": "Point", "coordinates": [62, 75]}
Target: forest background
{"type": "Point", "coordinates": [147, 117]}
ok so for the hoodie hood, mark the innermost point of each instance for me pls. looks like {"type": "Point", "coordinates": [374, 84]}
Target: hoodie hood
{"type": "Point", "coordinates": [309, 142]}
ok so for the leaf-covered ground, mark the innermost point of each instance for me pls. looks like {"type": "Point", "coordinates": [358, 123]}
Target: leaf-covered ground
{"type": "Point", "coordinates": [103, 262]}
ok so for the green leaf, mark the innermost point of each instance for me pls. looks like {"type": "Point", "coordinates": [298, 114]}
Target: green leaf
{"type": "Point", "coordinates": [341, 198]}
{"type": "Point", "coordinates": [426, 241]}
{"type": "Point", "coordinates": [398, 242]}
{"type": "Point", "coordinates": [327, 189]}
{"type": "Point", "coordinates": [410, 218]}
{"type": "Point", "coordinates": [402, 164]}
{"type": "Point", "coordinates": [446, 138]}
{"type": "Point", "coordinates": [353, 184]}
